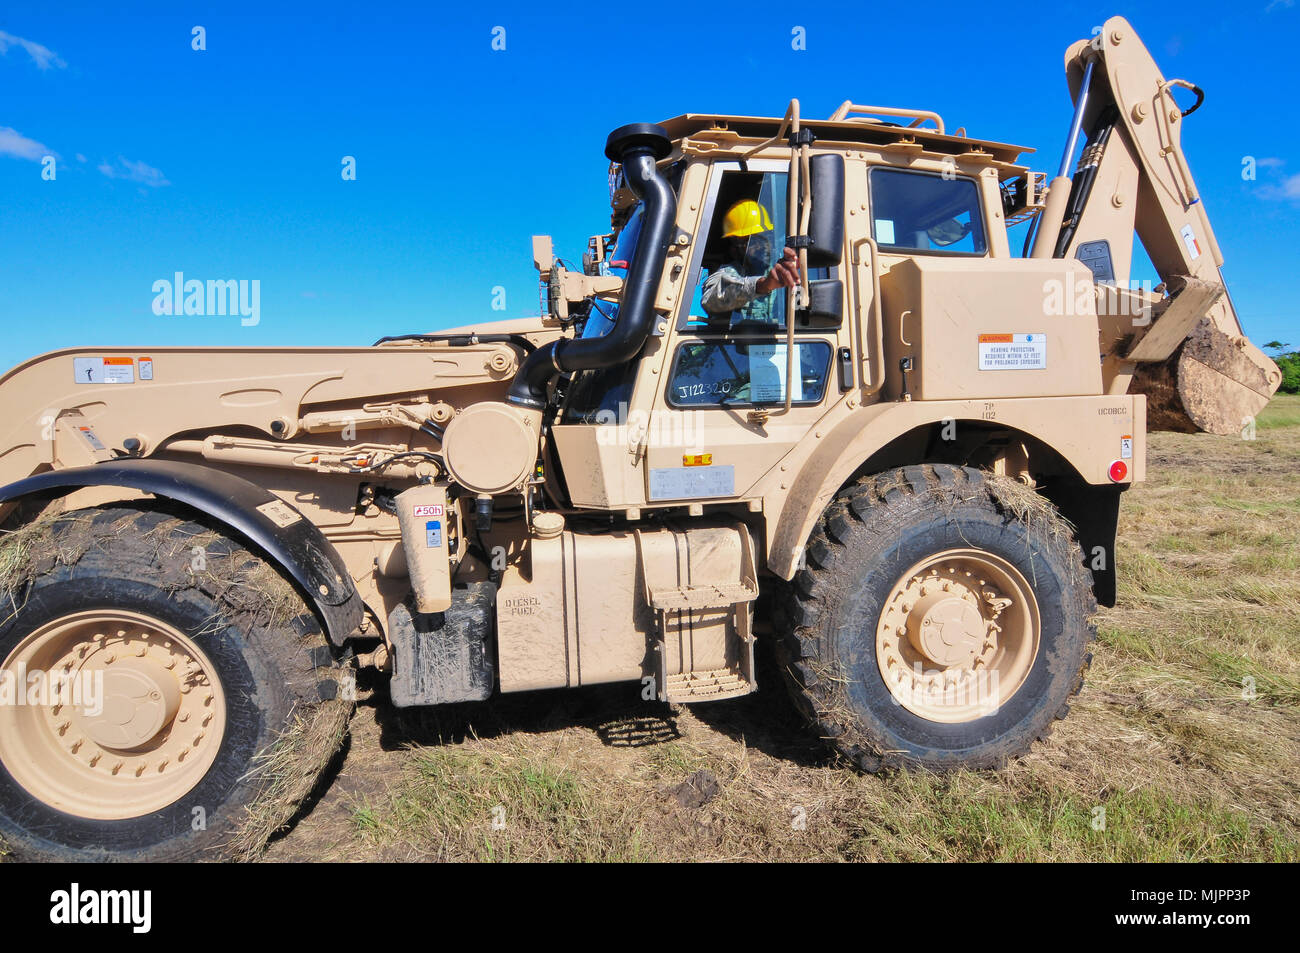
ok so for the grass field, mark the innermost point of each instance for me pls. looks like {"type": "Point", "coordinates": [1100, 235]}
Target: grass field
{"type": "Point", "coordinates": [1184, 745]}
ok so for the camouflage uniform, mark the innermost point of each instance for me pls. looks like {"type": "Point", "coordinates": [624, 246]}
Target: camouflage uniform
{"type": "Point", "coordinates": [727, 290]}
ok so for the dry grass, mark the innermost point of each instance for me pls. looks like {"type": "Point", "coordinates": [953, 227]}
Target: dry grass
{"type": "Point", "coordinates": [1187, 733]}
{"type": "Point", "coordinates": [290, 768]}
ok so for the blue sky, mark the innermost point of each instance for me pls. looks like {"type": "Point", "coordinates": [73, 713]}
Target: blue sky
{"type": "Point", "coordinates": [226, 163]}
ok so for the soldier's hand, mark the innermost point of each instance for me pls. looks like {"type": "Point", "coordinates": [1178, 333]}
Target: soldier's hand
{"type": "Point", "coordinates": [784, 274]}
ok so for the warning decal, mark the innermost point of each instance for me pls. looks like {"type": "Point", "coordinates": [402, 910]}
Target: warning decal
{"type": "Point", "coordinates": [1013, 352]}
{"type": "Point", "coordinates": [91, 439]}
{"type": "Point", "coordinates": [103, 370]}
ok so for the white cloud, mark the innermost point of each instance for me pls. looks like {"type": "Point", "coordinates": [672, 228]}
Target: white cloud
{"type": "Point", "coordinates": [1281, 187]}
{"type": "Point", "coordinates": [133, 171]}
{"type": "Point", "coordinates": [1279, 5]}
{"type": "Point", "coordinates": [14, 143]}
{"type": "Point", "coordinates": [42, 56]}
{"type": "Point", "coordinates": [1290, 187]}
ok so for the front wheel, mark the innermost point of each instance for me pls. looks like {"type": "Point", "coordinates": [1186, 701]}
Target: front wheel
{"type": "Point", "coordinates": [942, 620]}
{"type": "Point", "coordinates": [166, 693]}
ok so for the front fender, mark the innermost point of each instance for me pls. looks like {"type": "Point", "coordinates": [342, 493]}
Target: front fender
{"type": "Point", "coordinates": [1087, 432]}
{"type": "Point", "coordinates": [277, 528]}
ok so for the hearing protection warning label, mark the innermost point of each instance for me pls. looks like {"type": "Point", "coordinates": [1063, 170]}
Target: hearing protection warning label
{"type": "Point", "coordinates": [433, 534]}
{"type": "Point", "coordinates": [1013, 352]}
{"type": "Point", "coordinates": [104, 370]}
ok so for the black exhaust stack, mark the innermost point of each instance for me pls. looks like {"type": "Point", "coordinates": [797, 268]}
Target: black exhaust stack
{"type": "Point", "coordinates": [637, 147]}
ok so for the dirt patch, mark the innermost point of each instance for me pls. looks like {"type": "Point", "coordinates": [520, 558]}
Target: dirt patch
{"type": "Point", "coordinates": [697, 790]}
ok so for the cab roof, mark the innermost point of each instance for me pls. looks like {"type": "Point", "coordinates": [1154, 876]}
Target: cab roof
{"type": "Point", "coordinates": [858, 130]}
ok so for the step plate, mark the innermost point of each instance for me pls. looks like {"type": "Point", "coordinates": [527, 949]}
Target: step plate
{"type": "Point", "coordinates": [688, 687]}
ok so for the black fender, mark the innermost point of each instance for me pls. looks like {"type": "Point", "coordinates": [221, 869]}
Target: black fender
{"type": "Point", "coordinates": [287, 537]}
{"type": "Point", "coordinates": [1094, 511]}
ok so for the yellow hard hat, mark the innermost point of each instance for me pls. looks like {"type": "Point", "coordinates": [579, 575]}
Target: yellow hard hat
{"type": "Point", "coordinates": [746, 218]}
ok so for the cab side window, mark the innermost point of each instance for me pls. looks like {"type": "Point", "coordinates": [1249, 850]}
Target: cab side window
{"type": "Point", "coordinates": [745, 373]}
{"type": "Point", "coordinates": [746, 236]}
{"type": "Point", "coordinates": [926, 212]}
{"type": "Point", "coordinates": [740, 359]}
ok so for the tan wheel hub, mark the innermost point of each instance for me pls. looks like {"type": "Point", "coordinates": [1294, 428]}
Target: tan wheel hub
{"type": "Point", "coordinates": [140, 700]}
{"type": "Point", "coordinates": [957, 636]}
{"type": "Point", "coordinates": [946, 629]}
{"type": "Point", "coordinates": [129, 718]}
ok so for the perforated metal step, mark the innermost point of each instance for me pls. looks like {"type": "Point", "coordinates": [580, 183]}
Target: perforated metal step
{"type": "Point", "coordinates": [706, 686]}
{"type": "Point", "coordinates": [708, 596]}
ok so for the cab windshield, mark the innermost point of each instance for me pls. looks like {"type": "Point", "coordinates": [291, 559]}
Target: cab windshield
{"type": "Point", "coordinates": [603, 313]}
{"type": "Point", "coordinates": [605, 388]}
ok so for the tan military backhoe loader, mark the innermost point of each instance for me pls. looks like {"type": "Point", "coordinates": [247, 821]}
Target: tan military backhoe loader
{"type": "Point", "coordinates": [903, 473]}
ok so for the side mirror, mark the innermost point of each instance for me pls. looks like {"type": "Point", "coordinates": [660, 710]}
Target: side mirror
{"type": "Point", "coordinates": [825, 304]}
{"type": "Point", "coordinates": [826, 223]}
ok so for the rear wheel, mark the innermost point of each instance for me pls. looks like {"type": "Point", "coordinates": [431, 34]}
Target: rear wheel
{"type": "Point", "coordinates": [167, 694]}
{"type": "Point", "coordinates": [942, 620]}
